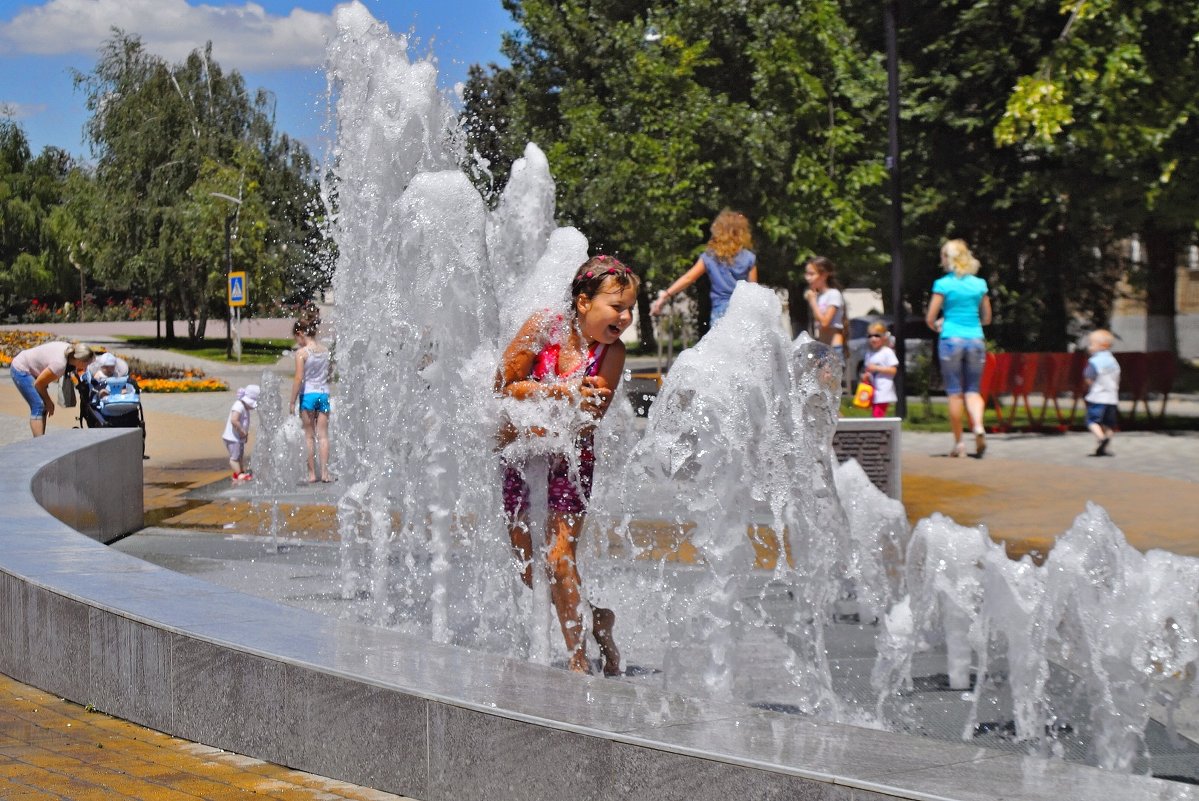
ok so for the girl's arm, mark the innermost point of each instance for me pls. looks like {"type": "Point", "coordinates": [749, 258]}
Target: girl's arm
{"type": "Point", "coordinates": [512, 378]}
{"type": "Point", "coordinates": [934, 312]}
{"type": "Point", "coordinates": [42, 384]}
{"type": "Point", "coordinates": [682, 282]}
{"type": "Point", "coordinates": [235, 421]}
{"type": "Point", "coordinates": [753, 274]}
{"type": "Point", "coordinates": [984, 310]}
{"type": "Point", "coordinates": [598, 390]}
{"type": "Point", "coordinates": [824, 318]}
{"type": "Point", "coordinates": [298, 380]}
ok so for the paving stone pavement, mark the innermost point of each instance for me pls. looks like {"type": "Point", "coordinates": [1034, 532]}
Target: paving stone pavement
{"type": "Point", "coordinates": [1027, 490]}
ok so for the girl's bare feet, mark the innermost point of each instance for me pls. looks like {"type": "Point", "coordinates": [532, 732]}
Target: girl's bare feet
{"type": "Point", "coordinates": [602, 622]}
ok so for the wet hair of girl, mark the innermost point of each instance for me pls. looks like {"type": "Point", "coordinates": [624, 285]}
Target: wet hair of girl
{"type": "Point", "coordinates": [825, 267]}
{"type": "Point", "coordinates": [305, 327]}
{"type": "Point", "coordinates": [590, 277]}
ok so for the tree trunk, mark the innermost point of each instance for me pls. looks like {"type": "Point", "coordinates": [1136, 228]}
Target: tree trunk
{"type": "Point", "coordinates": [1161, 272]}
{"type": "Point", "coordinates": [170, 319]}
{"type": "Point", "coordinates": [1051, 333]}
{"type": "Point", "coordinates": [645, 327]}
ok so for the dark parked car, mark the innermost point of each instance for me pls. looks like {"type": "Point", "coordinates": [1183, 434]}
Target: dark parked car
{"type": "Point", "coordinates": [918, 339]}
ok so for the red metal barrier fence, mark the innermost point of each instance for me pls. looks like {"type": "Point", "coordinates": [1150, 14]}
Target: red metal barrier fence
{"type": "Point", "coordinates": [1057, 377]}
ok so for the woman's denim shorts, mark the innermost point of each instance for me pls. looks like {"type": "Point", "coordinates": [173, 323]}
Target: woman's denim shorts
{"type": "Point", "coordinates": [962, 363]}
{"type": "Point", "coordinates": [25, 385]}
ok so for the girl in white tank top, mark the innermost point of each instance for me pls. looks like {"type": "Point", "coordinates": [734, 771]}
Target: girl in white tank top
{"type": "Point", "coordinates": [310, 389]}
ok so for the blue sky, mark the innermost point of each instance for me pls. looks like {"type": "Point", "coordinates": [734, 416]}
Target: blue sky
{"type": "Point", "coordinates": [275, 44]}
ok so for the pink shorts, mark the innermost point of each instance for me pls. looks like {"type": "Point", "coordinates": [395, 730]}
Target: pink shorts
{"type": "Point", "coordinates": [565, 494]}
{"type": "Point", "coordinates": [879, 410]}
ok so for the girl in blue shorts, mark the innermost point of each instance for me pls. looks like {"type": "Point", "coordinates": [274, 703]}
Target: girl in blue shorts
{"type": "Point", "coordinates": [311, 388]}
{"type": "Point", "coordinates": [574, 358]}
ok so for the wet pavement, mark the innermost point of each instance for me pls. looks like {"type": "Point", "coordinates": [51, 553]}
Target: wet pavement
{"type": "Point", "coordinates": [1027, 490]}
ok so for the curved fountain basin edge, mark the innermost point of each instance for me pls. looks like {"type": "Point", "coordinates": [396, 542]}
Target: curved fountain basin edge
{"type": "Point", "coordinates": [378, 708]}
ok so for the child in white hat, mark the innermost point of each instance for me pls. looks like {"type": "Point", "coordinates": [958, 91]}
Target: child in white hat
{"type": "Point", "coordinates": [237, 431]}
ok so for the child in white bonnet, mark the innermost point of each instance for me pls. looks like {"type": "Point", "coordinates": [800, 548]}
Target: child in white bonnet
{"type": "Point", "coordinates": [237, 430]}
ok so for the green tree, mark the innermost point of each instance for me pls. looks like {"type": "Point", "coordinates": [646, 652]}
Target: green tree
{"type": "Point", "coordinates": [33, 259]}
{"type": "Point", "coordinates": [1116, 88]}
{"type": "Point", "coordinates": [655, 116]}
{"type": "Point", "coordinates": [166, 138]}
{"type": "Point", "coordinates": [1033, 218]}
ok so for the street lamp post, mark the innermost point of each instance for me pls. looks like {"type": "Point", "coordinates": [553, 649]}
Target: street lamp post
{"type": "Point", "coordinates": [232, 338]}
{"type": "Point", "coordinates": [892, 23]}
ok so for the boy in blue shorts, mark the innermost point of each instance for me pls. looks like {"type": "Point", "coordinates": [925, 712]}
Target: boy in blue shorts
{"type": "Point", "coordinates": [1102, 375]}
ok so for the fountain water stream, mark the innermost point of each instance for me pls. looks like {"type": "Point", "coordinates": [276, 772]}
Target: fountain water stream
{"type": "Point", "coordinates": [755, 537]}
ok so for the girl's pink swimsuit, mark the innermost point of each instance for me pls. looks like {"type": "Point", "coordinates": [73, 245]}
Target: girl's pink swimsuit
{"type": "Point", "coordinates": [566, 494]}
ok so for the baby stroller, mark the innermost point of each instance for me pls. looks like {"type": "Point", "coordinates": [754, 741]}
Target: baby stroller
{"type": "Point", "coordinates": [117, 405]}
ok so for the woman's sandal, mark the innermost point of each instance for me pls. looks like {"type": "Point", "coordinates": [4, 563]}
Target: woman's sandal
{"type": "Point", "coordinates": [958, 450]}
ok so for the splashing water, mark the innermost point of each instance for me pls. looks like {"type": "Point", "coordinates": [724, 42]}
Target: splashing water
{"type": "Point", "coordinates": [278, 451]}
{"type": "Point", "coordinates": [723, 529]}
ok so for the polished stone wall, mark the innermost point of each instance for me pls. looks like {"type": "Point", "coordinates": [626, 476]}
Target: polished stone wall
{"type": "Point", "coordinates": [375, 707]}
{"type": "Point", "coordinates": [91, 480]}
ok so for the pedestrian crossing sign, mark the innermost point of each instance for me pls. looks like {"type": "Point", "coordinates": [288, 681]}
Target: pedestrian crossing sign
{"type": "Point", "coordinates": [237, 289]}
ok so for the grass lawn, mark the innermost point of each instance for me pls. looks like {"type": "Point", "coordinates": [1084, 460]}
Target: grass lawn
{"type": "Point", "coordinates": [253, 351]}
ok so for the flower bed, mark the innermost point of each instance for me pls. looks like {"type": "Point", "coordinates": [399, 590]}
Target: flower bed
{"type": "Point", "coordinates": [150, 376]}
{"type": "Point", "coordinates": [111, 310]}
{"type": "Point", "coordinates": [13, 342]}
{"type": "Point", "coordinates": [155, 377]}
{"type": "Point", "coordinates": [181, 384]}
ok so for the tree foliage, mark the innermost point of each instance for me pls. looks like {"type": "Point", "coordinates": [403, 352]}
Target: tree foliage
{"type": "Point", "coordinates": [1116, 89]}
{"type": "Point", "coordinates": [655, 116]}
{"type": "Point", "coordinates": [35, 240]}
{"type": "Point", "coordinates": [170, 141]}
{"type": "Point", "coordinates": [1043, 134]}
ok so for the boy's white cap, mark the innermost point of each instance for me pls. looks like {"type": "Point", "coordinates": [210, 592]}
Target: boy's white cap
{"type": "Point", "coordinates": [249, 395]}
{"type": "Point", "coordinates": [106, 360]}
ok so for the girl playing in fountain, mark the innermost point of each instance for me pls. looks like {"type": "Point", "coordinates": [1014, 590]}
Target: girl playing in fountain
{"type": "Point", "coordinates": [310, 387]}
{"type": "Point", "coordinates": [575, 359]}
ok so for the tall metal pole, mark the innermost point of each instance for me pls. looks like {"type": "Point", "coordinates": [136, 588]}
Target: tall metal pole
{"type": "Point", "coordinates": [897, 309]}
{"type": "Point", "coordinates": [228, 271]}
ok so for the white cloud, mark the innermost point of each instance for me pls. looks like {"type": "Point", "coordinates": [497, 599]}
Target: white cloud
{"type": "Point", "coordinates": [243, 36]}
{"type": "Point", "coordinates": [20, 111]}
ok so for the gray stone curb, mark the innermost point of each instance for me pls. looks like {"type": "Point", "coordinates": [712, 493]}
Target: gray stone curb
{"type": "Point", "coordinates": [377, 708]}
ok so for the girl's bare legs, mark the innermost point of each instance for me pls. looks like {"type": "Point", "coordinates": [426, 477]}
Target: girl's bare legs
{"type": "Point", "coordinates": [522, 549]}
{"type": "Point", "coordinates": [563, 538]}
{"type": "Point", "coordinates": [309, 421]}
{"type": "Point", "coordinates": [975, 406]}
{"type": "Point", "coordinates": [957, 407]}
{"type": "Point", "coordinates": [322, 437]}
{"type": "Point", "coordinates": [37, 425]}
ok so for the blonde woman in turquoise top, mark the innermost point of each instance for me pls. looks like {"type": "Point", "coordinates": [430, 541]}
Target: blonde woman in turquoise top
{"type": "Point", "coordinates": [958, 311]}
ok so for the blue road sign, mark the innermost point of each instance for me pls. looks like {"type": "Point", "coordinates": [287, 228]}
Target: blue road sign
{"type": "Point", "coordinates": [237, 289]}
